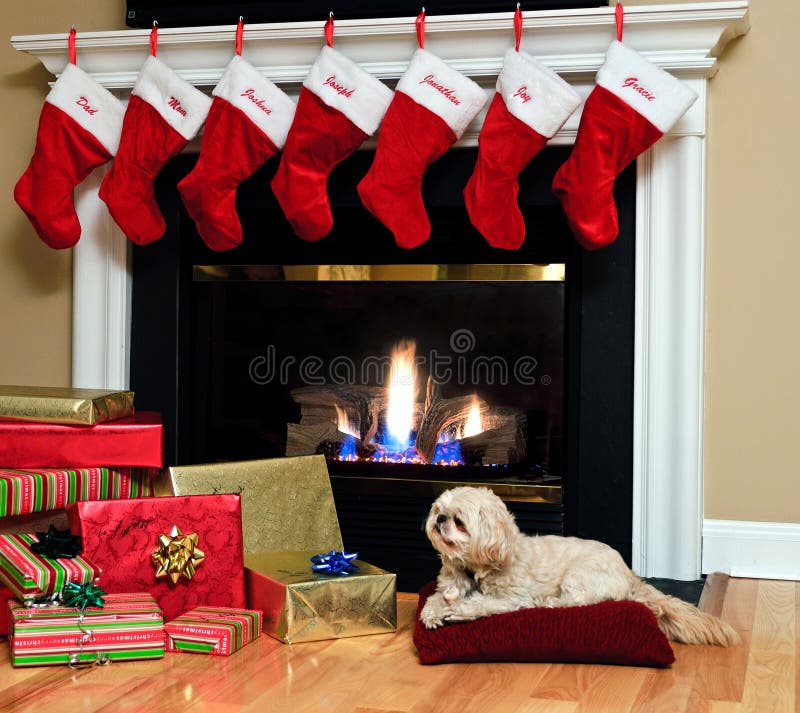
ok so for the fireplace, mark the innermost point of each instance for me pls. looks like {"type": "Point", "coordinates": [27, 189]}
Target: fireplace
{"type": "Point", "coordinates": [669, 232]}
{"type": "Point", "coordinates": [411, 371]}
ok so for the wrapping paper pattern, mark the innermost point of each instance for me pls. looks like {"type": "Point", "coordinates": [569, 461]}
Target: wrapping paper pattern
{"type": "Point", "coordinates": [28, 491]}
{"type": "Point", "coordinates": [300, 605]}
{"type": "Point", "coordinates": [85, 407]}
{"type": "Point", "coordinates": [128, 627]}
{"type": "Point", "coordinates": [134, 441]}
{"type": "Point", "coordinates": [119, 536]}
{"type": "Point", "coordinates": [272, 519]}
{"type": "Point", "coordinates": [29, 575]}
{"type": "Point", "coordinates": [218, 631]}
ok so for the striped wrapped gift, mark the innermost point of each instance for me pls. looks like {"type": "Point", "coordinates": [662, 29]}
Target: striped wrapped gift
{"type": "Point", "coordinates": [129, 627]}
{"type": "Point", "coordinates": [213, 630]}
{"type": "Point", "coordinates": [30, 576]}
{"type": "Point", "coordinates": [43, 489]}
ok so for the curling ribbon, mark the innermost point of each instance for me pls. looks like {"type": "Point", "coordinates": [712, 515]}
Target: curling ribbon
{"type": "Point", "coordinates": [329, 30]}
{"type": "Point", "coordinates": [420, 23]}
{"type": "Point", "coordinates": [154, 39]}
{"type": "Point", "coordinates": [618, 13]}
{"type": "Point", "coordinates": [57, 544]}
{"type": "Point", "coordinates": [518, 26]}
{"type": "Point", "coordinates": [73, 55]}
{"type": "Point", "coordinates": [333, 562]}
{"type": "Point", "coordinates": [239, 35]}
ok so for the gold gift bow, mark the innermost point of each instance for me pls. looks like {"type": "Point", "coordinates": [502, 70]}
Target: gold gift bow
{"type": "Point", "coordinates": [177, 555]}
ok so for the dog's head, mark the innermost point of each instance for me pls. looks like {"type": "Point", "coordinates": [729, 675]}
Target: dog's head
{"type": "Point", "coordinates": [472, 526]}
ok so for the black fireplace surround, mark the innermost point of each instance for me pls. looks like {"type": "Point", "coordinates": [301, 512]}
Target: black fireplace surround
{"type": "Point", "coordinates": [175, 335]}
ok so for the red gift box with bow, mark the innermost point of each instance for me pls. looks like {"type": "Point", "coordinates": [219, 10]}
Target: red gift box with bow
{"type": "Point", "coordinates": [186, 551]}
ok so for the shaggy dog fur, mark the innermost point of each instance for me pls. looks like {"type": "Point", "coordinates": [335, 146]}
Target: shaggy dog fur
{"type": "Point", "coordinates": [490, 567]}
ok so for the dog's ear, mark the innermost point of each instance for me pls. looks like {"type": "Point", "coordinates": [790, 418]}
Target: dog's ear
{"type": "Point", "coordinates": [492, 534]}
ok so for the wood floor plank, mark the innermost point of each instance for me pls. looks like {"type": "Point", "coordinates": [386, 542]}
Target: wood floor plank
{"type": "Point", "coordinates": [720, 671]}
{"type": "Point", "coordinates": [771, 671]}
{"type": "Point", "coordinates": [541, 705]}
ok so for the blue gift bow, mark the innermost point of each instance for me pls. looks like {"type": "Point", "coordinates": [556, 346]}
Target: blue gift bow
{"type": "Point", "coordinates": [333, 562]}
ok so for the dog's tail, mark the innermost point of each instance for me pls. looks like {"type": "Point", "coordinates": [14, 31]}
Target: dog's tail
{"type": "Point", "coordinates": [682, 622]}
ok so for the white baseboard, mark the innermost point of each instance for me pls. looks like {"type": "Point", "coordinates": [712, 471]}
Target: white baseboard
{"type": "Point", "coordinates": [763, 550]}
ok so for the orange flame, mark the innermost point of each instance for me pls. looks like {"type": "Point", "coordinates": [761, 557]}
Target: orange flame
{"type": "Point", "coordinates": [402, 392]}
{"type": "Point", "coordinates": [473, 425]}
{"type": "Point", "coordinates": [344, 424]}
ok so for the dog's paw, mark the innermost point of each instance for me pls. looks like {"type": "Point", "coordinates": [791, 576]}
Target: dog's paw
{"type": "Point", "coordinates": [432, 614]}
{"type": "Point", "coordinates": [450, 594]}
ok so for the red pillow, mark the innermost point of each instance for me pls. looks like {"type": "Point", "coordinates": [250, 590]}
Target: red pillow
{"type": "Point", "coordinates": [606, 633]}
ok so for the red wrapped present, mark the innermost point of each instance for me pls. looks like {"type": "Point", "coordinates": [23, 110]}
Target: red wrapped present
{"type": "Point", "coordinates": [186, 551]}
{"type": "Point", "coordinates": [31, 576]}
{"type": "Point", "coordinates": [219, 631]}
{"type": "Point", "coordinates": [135, 441]}
{"type": "Point", "coordinates": [29, 491]}
{"type": "Point", "coordinates": [6, 596]}
{"type": "Point", "coordinates": [129, 627]}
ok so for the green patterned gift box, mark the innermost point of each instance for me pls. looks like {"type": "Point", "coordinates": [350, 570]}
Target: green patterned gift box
{"type": "Point", "coordinates": [129, 627]}
{"type": "Point", "coordinates": [28, 491]}
{"type": "Point", "coordinates": [31, 576]}
{"type": "Point", "coordinates": [219, 631]}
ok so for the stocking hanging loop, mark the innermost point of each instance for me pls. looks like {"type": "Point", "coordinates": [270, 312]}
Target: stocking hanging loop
{"type": "Point", "coordinates": [517, 26]}
{"type": "Point", "coordinates": [420, 23]}
{"type": "Point", "coordinates": [329, 30]}
{"type": "Point", "coordinates": [618, 13]}
{"type": "Point", "coordinates": [73, 55]}
{"type": "Point", "coordinates": [239, 35]}
{"type": "Point", "coordinates": [154, 39]}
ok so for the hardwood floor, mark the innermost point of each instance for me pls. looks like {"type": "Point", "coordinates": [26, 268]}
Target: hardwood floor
{"type": "Point", "coordinates": [381, 674]}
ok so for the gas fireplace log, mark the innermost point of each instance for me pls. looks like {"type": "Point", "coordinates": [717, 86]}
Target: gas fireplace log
{"type": "Point", "coordinates": [441, 415]}
{"type": "Point", "coordinates": [303, 440]}
{"type": "Point", "coordinates": [362, 404]}
{"type": "Point", "coordinates": [505, 443]}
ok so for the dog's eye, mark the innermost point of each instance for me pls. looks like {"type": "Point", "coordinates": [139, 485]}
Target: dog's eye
{"type": "Point", "coordinates": [457, 521]}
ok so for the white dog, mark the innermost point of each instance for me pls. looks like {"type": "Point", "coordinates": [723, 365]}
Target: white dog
{"type": "Point", "coordinates": [490, 567]}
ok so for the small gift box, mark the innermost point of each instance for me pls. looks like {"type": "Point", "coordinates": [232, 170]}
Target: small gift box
{"type": "Point", "coordinates": [134, 442]}
{"type": "Point", "coordinates": [85, 407]}
{"type": "Point", "coordinates": [302, 605]}
{"type": "Point", "coordinates": [44, 489]}
{"type": "Point", "coordinates": [128, 627]}
{"type": "Point", "coordinates": [219, 631]}
{"type": "Point", "coordinates": [30, 575]}
{"type": "Point", "coordinates": [185, 551]}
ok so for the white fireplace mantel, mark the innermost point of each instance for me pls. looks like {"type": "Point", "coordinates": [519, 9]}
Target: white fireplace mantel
{"type": "Point", "coordinates": [685, 39]}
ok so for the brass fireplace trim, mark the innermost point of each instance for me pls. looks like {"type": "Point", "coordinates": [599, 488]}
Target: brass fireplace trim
{"type": "Point", "coordinates": [552, 272]}
{"type": "Point", "coordinates": [512, 492]}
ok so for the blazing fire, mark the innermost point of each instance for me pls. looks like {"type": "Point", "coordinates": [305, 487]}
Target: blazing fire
{"type": "Point", "coordinates": [396, 439]}
{"type": "Point", "coordinates": [402, 395]}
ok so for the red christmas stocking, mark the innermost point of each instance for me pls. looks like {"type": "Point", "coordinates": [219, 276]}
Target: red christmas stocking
{"type": "Point", "coordinates": [531, 105]}
{"type": "Point", "coordinates": [340, 106]}
{"type": "Point", "coordinates": [432, 106]}
{"type": "Point", "coordinates": [247, 124]}
{"type": "Point", "coordinates": [164, 113]}
{"type": "Point", "coordinates": [79, 129]}
{"type": "Point", "coordinates": [633, 105]}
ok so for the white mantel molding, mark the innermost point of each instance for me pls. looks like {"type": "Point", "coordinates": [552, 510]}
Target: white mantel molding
{"type": "Point", "coordinates": [684, 39]}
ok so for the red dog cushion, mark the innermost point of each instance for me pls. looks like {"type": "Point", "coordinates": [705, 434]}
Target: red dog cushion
{"type": "Point", "coordinates": [606, 633]}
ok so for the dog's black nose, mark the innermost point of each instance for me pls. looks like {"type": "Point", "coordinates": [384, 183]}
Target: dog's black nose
{"type": "Point", "coordinates": [441, 519]}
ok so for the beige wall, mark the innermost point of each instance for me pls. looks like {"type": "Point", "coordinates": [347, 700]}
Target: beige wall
{"type": "Point", "coordinates": [35, 281]}
{"type": "Point", "coordinates": [753, 364]}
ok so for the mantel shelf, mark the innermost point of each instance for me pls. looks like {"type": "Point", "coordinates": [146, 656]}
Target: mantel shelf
{"type": "Point", "coordinates": [685, 39]}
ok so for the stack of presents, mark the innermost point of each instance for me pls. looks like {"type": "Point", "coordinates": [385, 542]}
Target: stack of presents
{"type": "Point", "coordinates": [107, 556]}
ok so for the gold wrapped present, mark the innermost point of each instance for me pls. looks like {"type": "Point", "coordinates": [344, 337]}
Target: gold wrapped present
{"type": "Point", "coordinates": [300, 605]}
{"type": "Point", "coordinates": [288, 515]}
{"type": "Point", "coordinates": [287, 503]}
{"type": "Point", "coordinates": [84, 407]}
